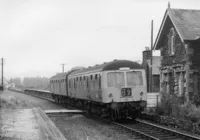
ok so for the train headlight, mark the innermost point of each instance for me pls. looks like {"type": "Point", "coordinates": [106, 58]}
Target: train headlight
{"type": "Point", "coordinates": [110, 95]}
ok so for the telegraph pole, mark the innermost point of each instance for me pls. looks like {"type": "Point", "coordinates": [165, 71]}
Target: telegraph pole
{"type": "Point", "coordinates": [151, 79]}
{"type": "Point", "coordinates": [2, 73]}
{"type": "Point", "coordinates": [63, 67]}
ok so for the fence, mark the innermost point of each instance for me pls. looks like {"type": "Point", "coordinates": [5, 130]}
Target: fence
{"type": "Point", "coordinates": [153, 99]}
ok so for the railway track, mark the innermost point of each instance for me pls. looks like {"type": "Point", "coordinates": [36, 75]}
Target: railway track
{"type": "Point", "coordinates": [144, 130]}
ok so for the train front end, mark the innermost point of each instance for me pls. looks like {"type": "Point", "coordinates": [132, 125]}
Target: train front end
{"type": "Point", "coordinates": [125, 91]}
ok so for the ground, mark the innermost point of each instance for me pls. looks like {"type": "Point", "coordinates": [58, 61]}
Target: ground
{"type": "Point", "coordinates": [15, 100]}
{"type": "Point", "coordinates": [73, 126]}
{"type": "Point", "coordinates": [80, 127]}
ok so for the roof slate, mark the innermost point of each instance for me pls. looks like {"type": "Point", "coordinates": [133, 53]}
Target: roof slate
{"type": "Point", "coordinates": [187, 22]}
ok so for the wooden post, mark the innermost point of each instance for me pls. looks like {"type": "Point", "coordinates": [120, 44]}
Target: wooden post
{"type": "Point", "coordinates": [151, 70]}
{"type": "Point", "coordinates": [157, 100]}
{"type": "Point", "coordinates": [2, 74]}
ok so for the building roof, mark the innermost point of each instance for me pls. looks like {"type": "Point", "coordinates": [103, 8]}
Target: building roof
{"type": "Point", "coordinates": [186, 22]}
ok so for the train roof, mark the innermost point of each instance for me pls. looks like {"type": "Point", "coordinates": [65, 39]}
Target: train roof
{"type": "Point", "coordinates": [60, 76]}
{"type": "Point", "coordinates": [113, 65]}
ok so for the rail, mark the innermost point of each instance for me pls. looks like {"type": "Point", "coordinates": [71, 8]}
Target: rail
{"type": "Point", "coordinates": [181, 134]}
{"type": "Point", "coordinates": [143, 128]}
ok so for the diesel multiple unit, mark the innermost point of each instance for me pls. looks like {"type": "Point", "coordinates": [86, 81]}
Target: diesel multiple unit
{"type": "Point", "coordinates": [116, 89]}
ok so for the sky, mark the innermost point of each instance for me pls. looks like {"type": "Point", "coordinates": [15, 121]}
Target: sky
{"type": "Point", "coordinates": [37, 36]}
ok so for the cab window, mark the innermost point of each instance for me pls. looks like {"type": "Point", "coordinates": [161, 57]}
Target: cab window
{"type": "Point", "coordinates": [134, 78]}
{"type": "Point", "coordinates": [115, 79]}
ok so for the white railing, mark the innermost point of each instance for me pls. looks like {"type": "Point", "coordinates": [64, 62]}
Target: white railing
{"type": "Point", "coordinates": [153, 98]}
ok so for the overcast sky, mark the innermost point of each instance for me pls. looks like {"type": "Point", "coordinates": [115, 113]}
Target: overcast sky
{"type": "Point", "coordinates": [36, 36]}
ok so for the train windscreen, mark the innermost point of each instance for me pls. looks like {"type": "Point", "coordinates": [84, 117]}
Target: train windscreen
{"type": "Point", "coordinates": [116, 79]}
{"type": "Point", "coordinates": [134, 78]}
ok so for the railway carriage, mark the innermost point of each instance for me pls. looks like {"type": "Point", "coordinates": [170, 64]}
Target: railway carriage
{"type": "Point", "coordinates": [58, 86]}
{"type": "Point", "coordinates": [116, 89]}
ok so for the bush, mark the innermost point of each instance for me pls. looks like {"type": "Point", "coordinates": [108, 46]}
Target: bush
{"type": "Point", "coordinates": [171, 105]}
{"type": "Point", "coordinates": [194, 115]}
{"type": "Point", "coordinates": [168, 104]}
{"type": "Point", "coordinates": [159, 110]}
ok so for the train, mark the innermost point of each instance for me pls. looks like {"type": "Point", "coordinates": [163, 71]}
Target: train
{"type": "Point", "coordinates": [115, 89]}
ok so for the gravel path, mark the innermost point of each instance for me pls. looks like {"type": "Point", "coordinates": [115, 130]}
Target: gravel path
{"type": "Point", "coordinates": [12, 100]}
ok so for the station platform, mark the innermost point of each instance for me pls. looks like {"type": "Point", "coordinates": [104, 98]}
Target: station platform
{"type": "Point", "coordinates": [63, 111]}
{"type": "Point", "coordinates": [27, 124]}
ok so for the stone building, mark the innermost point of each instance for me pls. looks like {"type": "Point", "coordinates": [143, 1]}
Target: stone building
{"type": "Point", "coordinates": [152, 71]}
{"type": "Point", "coordinates": [178, 40]}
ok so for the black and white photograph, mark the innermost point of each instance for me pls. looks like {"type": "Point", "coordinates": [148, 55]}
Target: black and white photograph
{"type": "Point", "coordinates": [99, 69]}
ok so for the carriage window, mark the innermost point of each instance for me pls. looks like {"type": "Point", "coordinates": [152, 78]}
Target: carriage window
{"type": "Point", "coordinates": [91, 77]}
{"type": "Point", "coordinates": [115, 79]}
{"type": "Point", "coordinates": [69, 83]}
{"type": "Point", "coordinates": [96, 76]}
{"type": "Point", "coordinates": [99, 81]}
{"type": "Point", "coordinates": [74, 83]}
{"type": "Point", "coordinates": [87, 79]}
{"type": "Point", "coordinates": [84, 78]}
{"type": "Point", "coordinates": [81, 82]}
{"type": "Point", "coordinates": [134, 78]}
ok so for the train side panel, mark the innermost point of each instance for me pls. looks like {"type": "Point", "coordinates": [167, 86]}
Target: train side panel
{"type": "Point", "coordinates": [86, 86]}
{"type": "Point", "coordinates": [58, 86]}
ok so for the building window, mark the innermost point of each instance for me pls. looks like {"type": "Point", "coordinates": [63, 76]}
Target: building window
{"type": "Point", "coordinates": [171, 41]}
{"type": "Point", "coordinates": [180, 84]}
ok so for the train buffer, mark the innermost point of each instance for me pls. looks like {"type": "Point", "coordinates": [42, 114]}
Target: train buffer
{"type": "Point", "coordinates": [63, 111]}
{"type": "Point", "coordinates": [28, 124]}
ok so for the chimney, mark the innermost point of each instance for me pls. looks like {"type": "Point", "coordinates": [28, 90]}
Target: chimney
{"type": "Point", "coordinates": [169, 5]}
{"type": "Point", "coordinates": [146, 55]}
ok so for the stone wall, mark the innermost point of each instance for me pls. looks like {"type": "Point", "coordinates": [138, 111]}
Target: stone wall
{"type": "Point", "coordinates": [179, 56]}
{"type": "Point", "coordinates": [173, 66]}
{"type": "Point", "coordinates": [194, 73]}
{"type": "Point", "coordinates": [180, 72]}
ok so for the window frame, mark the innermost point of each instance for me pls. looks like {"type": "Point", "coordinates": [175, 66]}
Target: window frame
{"type": "Point", "coordinates": [171, 41]}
